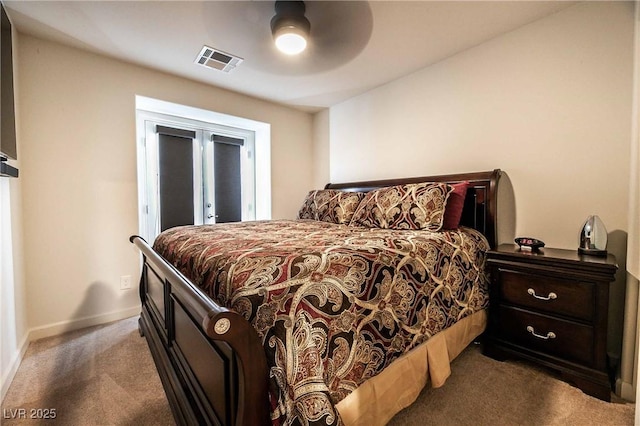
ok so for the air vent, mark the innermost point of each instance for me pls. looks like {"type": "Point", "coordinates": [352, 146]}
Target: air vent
{"type": "Point", "coordinates": [217, 59]}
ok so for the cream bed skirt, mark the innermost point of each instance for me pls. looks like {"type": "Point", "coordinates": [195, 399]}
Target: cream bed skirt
{"type": "Point", "coordinates": [377, 400]}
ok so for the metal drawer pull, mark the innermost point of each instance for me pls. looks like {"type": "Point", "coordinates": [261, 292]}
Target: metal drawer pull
{"type": "Point", "coordinates": [550, 335]}
{"type": "Point", "coordinates": [551, 295]}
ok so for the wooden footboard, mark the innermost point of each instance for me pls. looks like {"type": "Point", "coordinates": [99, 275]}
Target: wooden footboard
{"type": "Point", "coordinates": [210, 359]}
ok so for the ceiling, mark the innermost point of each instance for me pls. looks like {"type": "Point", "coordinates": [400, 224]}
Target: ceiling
{"type": "Point", "coordinates": [355, 46]}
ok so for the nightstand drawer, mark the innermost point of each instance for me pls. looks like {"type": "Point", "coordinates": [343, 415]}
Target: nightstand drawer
{"type": "Point", "coordinates": [553, 295]}
{"type": "Point", "coordinates": [565, 339]}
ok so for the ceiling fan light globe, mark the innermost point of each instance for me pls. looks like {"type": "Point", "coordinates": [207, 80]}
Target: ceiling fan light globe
{"type": "Point", "coordinates": [290, 42]}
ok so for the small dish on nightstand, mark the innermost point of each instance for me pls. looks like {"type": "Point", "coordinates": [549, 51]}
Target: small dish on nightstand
{"type": "Point", "coordinates": [529, 243]}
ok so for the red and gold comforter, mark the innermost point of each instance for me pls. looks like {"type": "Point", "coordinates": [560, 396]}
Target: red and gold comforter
{"type": "Point", "coordinates": [333, 304]}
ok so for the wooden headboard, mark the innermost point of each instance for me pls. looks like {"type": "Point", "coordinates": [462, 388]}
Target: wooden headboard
{"type": "Point", "coordinates": [480, 205]}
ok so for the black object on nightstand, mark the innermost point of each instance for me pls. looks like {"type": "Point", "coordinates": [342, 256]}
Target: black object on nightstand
{"type": "Point", "coordinates": [551, 307]}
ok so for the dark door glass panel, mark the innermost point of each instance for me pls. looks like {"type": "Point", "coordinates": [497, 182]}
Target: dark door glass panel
{"type": "Point", "coordinates": [228, 192]}
{"type": "Point", "coordinates": [176, 179]}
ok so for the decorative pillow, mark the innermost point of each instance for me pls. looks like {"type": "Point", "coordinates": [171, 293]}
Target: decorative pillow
{"type": "Point", "coordinates": [330, 205]}
{"type": "Point", "coordinates": [410, 206]}
{"type": "Point", "coordinates": [455, 204]}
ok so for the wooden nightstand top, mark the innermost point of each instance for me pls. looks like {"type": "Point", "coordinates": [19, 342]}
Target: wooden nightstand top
{"type": "Point", "coordinates": [555, 258]}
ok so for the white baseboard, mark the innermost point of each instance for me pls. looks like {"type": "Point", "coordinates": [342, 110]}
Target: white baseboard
{"type": "Point", "coordinates": [7, 376]}
{"type": "Point", "coordinates": [625, 390]}
{"type": "Point", "coordinates": [75, 324]}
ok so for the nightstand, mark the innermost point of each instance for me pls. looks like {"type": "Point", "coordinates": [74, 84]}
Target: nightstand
{"type": "Point", "coordinates": [551, 307]}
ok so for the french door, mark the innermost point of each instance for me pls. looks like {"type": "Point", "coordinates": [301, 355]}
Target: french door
{"type": "Point", "coordinates": [197, 173]}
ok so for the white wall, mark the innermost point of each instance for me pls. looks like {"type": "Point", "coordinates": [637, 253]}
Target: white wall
{"type": "Point", "coordinates": [13, 312]}
{"type": "Point", "coordinates": [321, 149]}
{"type": "Point", "coordinates": [13, 304]}
{"type": "Point", "coordinates": [629, 380]}
{"type": "Point", "coordinates": [548, 103]}
{"type": "Point", "coordinates": [78, 174]}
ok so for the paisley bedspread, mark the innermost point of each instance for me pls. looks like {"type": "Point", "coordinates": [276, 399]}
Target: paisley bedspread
{"type": "Point", "coordinates": [333, 304]}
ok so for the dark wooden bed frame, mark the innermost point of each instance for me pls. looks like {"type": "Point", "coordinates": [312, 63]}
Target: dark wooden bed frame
{"type": "Point", "coordinates": [210, 359]}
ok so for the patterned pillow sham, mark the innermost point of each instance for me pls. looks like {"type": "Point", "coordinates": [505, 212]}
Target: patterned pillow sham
{"type": "Point", "coordinates": [409, 206]}
{"type": "Point", "coordinates": [330, 205]}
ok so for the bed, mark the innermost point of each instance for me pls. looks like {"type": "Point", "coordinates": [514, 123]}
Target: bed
{"type": "Point", "coordinates": [314, 321]}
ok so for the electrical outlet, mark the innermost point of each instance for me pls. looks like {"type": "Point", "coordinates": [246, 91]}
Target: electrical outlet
{"type": "Point", "coordinates": [125, 282]}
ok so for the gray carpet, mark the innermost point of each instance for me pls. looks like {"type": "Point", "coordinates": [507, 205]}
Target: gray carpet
{"type": "Point", "coordinates": [483, 391]}
{"type": "Point", "coordinates": [104, 375]}
{"type": "Point", "coordinates": [101, 375]}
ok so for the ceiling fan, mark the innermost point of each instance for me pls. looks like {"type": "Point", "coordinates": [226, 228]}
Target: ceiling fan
{"type": "Point", "coordinates": [337, 32]}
